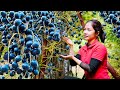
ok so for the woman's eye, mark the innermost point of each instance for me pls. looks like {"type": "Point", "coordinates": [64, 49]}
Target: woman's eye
{"type": "Point", "coordinates": [89, 30]}
{"type": "Point", "coordinates": [86, 30]}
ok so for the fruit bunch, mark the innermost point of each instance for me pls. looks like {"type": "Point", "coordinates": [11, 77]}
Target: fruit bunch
{"type": "Point", "coordinates": [33, 42]}
{"type": "Point", "coordinates": [19, 36]}
{"type": "Point", "coordinates": [112, 17]}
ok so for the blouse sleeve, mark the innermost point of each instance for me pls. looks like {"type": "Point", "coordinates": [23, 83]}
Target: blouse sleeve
{"type": "Point", "coordinates": [78, 56]}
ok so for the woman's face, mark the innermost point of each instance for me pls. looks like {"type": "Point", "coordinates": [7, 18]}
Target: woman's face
{"type": "Point", "coordinates": [89, 32]}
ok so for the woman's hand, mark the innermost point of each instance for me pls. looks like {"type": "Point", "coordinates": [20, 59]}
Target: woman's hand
{"type": "Point", "coordinates": [68, 41]}
{"type": "Point", "coordinates": [68, 57]}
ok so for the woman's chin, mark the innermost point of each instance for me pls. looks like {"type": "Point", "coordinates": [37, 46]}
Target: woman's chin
{"type": "Point", "coordinates": [86, 39]}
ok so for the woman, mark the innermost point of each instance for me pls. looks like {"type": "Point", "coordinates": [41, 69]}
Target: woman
{"type": "Point", "coordinates": [93, 56]}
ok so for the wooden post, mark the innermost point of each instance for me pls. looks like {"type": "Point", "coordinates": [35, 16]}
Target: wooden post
{"type": "Point", "coordinates": [44, 57]}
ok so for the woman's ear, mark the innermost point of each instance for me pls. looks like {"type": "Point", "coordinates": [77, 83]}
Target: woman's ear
{"type": "Point", "coordinates": [97, 34]}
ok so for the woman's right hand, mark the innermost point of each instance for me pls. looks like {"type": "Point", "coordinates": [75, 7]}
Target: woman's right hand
{"type": "Point", "coordinates": [68, 41]}
{"type": "Point", "coordinates": [68, 57]}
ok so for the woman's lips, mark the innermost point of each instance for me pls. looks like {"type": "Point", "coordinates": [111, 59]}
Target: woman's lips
{"type": "Point", "coordinates": [85, 36]}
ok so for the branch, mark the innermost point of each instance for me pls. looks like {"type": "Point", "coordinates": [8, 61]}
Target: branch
{"type": "Point", "coordinates": [81, 19]}
{"type": "Point", "coordinates": [113, 71]}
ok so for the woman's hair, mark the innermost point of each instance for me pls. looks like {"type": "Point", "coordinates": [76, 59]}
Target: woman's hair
{"type": "Point", "coordinates": [97, 26]}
